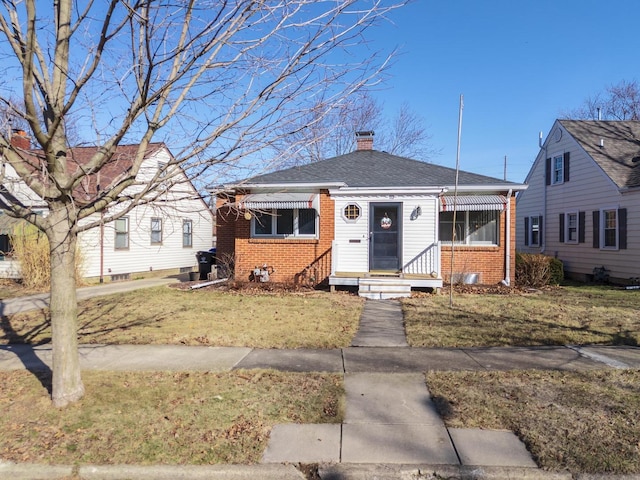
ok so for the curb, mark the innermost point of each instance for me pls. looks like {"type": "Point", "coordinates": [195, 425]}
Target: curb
{"type": "Point", "coordinates": [31, 471]}
{"type": "Point", "coordinates": [436, 472]}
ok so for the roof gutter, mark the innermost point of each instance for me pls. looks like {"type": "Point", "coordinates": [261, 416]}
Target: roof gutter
{"type": "Point", "coordinates": [276, 186]}
{"type": "Point", "coordinates": [388, 190]}
{"type": "Point", "coordinates": [512, 187]}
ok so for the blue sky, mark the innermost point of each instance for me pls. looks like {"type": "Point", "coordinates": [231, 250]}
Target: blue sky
{"type": "Point", "coordinates": [518, 64]}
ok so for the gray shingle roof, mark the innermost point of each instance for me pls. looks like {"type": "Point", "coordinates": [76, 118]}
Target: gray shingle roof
{"type": "Point", "coordinates": [621, 140]}
{"type": "Point", "coordinates": [372, 168]}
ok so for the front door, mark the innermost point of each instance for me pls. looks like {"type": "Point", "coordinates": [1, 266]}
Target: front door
{"type": "Point", "coordinates": [385, 236]}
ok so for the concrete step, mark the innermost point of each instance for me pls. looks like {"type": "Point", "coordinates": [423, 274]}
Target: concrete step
{"type": "Point", "coordinates": [384, 288]}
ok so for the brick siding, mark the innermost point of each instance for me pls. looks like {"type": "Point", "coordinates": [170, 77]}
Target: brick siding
{"type": "Point", "coordinates": [299, 261]}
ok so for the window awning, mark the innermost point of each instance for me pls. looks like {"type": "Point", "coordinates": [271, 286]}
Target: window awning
{"type": "Point", "coordinates": [263, 201]}
{"type": "Point", "coordinates": [472, 202]}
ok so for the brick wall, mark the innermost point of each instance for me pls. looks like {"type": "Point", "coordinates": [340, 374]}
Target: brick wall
{"type": "Point", "coordinates": [300, 261]}
{"type": "Point", "coordinates": [489, 262]}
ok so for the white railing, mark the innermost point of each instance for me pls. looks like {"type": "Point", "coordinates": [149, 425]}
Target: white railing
{"type": "Point", "coordinates": [426, 262]}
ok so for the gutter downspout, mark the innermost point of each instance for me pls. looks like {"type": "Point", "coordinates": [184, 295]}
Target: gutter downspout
{"type": "Point", "coordinates": [543, 230]}
{"type": "Point", "coordinates": [507, 241]}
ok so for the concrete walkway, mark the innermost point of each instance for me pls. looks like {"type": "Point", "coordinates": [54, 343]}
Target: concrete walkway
{"type": "Point", "coordinates": [10, 306]}
{"type": "Point", "coordinates": [390, 417]}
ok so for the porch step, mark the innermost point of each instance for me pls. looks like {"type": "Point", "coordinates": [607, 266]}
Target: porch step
{"type": "Point", "coordinates": [384, 288]}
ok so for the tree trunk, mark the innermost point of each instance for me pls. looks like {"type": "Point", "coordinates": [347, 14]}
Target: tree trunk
{"type": "Point", "coordinates": [67, 384]}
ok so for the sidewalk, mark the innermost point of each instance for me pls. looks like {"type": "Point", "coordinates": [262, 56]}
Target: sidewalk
{"type": "Point", "coordinates": [41, 300]}
{"type": "Point", "coordinates": [391, 428]}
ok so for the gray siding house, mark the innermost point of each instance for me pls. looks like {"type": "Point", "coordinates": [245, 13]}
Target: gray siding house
{"type": "Point", "coordinates": [583, 201]}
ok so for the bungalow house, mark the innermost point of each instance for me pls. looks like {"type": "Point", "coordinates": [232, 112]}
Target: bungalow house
{"type": "Point", "coordinates": [164, 234]}
{"type": "Point", "coordinates": [583, 201]}
{"type": "Point", "coordinates": [371, 220]}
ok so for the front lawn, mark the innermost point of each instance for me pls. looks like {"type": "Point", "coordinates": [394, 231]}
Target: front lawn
{"type": "Point", "coordinates": [165, 315]}
{"type": "Point", "coordinates": [165, 418]}
{"type": "Point", "coordinates": [559, 316]}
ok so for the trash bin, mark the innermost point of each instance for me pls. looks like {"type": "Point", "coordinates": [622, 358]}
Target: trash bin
{"type": "Point", "coordinates": [205, 260]}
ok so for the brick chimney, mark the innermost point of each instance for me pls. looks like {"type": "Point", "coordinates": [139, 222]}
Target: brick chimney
{"type": "Point", "coordinates": [20, 140]}
{"type": "Point", "coordinates": [364, 140]}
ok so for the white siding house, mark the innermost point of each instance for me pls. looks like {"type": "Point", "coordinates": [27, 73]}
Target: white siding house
{"type": "Point", "coordinates": [583, 201]}
{"type": "Point", "coordinates": [164, 234]}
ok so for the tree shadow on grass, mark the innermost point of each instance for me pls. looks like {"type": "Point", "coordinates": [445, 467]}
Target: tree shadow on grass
{"type": "Point", "coordinates": [21, 345]}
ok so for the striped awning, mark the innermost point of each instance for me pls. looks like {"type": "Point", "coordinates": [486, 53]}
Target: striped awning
{"type": "Point", "coordinates": [472, 202]}
{"type": "Point", "coordinates": [263, 201]}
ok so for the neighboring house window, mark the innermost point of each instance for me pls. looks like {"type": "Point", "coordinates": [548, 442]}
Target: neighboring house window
{"type": "Point", "coordinates": [471, 228]}
{"type": "Point", "coordinates": [187, 233]}
{"type": "Point", "coordinates": [5, 245]}
{"type": "Point", "coordinates": [557, 169]}
{"type": "Point", "coordinates": [533, 231]}
{"type": "Point", "coordinates": [122, 233]}
{"type": "Point", "coordinates": [610, 228]}
{"type": "Point", "coordinates": [571, 235]}
{"type": "Point", "coordinates": [162, 169]}
{"type": "Point", "coordinates": [285, 222]}
{"type": "Point", "coordinates": [571, 227]}
{"type": "Point", "coordinates": [156, 231]}
{"type": "Point", "coordinates": [557, 175]}
{"type": "Point", "coordinates": [351, 212]}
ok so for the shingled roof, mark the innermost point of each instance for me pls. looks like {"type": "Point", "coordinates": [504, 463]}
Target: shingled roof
{"type": "Point", "coordinates": [619, 155]}
{"type": "Point", "coordinates": [375, 169]}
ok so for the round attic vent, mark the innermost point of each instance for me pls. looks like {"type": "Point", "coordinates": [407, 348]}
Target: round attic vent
{"type": "Point", "coordinates": [558, 135]}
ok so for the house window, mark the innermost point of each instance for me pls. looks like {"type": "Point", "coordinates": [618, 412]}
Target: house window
{"type": "Point", "coordinates": [534, 231]}
{"type": "Point", "coordinates": [471, 227]}
{"type": "Point", "coordinates": [187, 233]}
{"type": "Point", "coordinates": [285, 222]}
{"type": "Point", "coordinates": [156, 231]}
{"type": "Point", "coordinates": [571, 228]}
{"type": "Point", "coordinates": [609, 229]}
{"type": "Point", "coordinates": [122, 233]}
{"type": "Point", "coordinates": [5, 245]}
{"type": "Point", "coordinates": [557, 174]}
{"type": "Point", "coordinates": [351, 212]}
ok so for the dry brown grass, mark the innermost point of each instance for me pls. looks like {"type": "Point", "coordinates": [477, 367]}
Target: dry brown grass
{"type": "Point", "coordinates": [161, 418]}
{"type": "Point", "coordinates": [586, 422]}
{"type": "Point", "coordinates": [559, 316]}
{"type": "Point", "coordinates": [197, 317]}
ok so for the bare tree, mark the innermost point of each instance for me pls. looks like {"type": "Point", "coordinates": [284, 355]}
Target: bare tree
{"type": "Point", "coordinates": [216, 80]}
{"type": "Point", "coordinates": [329, 130]}
{"type": "Point", "coordinates": [617, 102]}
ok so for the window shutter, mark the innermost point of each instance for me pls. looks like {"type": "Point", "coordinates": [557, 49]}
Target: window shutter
{"type": "Point", "coordinates": [541, 238]}
{"type": "Point", "coordinates": [596, 229]}
{"type": "Point", "coordinates": [526, 231]}
{"type": "Point", "coordinates": [547, 171]}
{"type": "Point", "coordinates": [622, 228]}
{"type": "Point", "coordinates": [581, 227]}
{"type": "Point", "coordinates": [566, 167]}
{"type": "Point", "coordinates": [562, 228]}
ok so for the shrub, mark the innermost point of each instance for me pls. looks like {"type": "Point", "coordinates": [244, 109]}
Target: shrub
{"type": "Point", "coordinates": [31, 249]}
{"type": "Point", "coordinates": [536, 270]}
{"type": "Point", "coordinates": [557, 271]}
